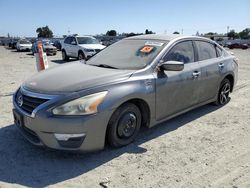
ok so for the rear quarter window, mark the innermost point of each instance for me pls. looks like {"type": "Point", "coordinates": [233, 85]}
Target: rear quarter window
{"type": "Point", "coordinates": [206, 50]}
{"type": "Point", "coordinates": [219, 51]}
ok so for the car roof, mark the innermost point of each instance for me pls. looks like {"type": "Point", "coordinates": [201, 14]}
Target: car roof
{"type": "Point", "coordinates": [84, 36]}
{"type": "Point", "coordinates": [166, 37]}
{"type": "Point", "coordinates": [155, 37]}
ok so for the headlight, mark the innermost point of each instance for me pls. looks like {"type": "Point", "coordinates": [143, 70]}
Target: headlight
{"type": "Point", "coordinates": [88, 50]}
{"type": "Point", "coordinates": [81, 106]}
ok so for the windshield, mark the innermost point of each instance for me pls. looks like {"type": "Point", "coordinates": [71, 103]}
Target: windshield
{"type": "Point", "coordinates": [25, 42]}
{"type": "Point", "coordinates": [87, 40]}
{"type": "Point", "coordinates": [128, 54]}
{"type": "Point", "coordinates": [46, 42]}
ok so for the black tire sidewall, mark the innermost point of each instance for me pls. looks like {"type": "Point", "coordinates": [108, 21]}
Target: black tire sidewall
{"type": "Point", "coordinates": [81, 53]}
{"type": "Point", "coordinates": [66, 58]}
{"type": "Point", "coordinates": [112, 135]}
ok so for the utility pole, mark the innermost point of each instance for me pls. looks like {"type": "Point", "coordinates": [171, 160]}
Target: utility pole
{"type": "Point", "coordinates": [227, 30]}
{"type": "Point", "coordinates": [182, 31]}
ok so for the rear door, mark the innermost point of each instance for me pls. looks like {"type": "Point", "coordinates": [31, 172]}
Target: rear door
{"type": "Point", "coordinates": [74, 47]}
{"type": "Point", "coordinates": [67, 45]}
{"type": "Point", "coordinates": [178, 90]}
{"type": "Point", "coordinates": [211, 66]}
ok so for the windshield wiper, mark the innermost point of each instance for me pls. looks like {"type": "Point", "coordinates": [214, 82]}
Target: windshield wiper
{"type": "Point", "coordinates": [104, 66]}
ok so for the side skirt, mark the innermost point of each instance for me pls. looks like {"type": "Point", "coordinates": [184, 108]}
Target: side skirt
{"type": "Point", "coordinates": [154, 122]}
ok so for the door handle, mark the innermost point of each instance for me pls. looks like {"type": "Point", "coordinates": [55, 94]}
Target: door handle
{"type": "Point", "coordinates": [196, 74]}
{"type": "Point", "coordinates": [221, 65]}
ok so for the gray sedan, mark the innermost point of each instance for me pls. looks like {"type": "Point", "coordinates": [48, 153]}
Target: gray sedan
{"type": "Point", "coordinates": [138, 81]}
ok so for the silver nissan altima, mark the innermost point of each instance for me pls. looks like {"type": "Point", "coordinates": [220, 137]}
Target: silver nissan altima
{"type": "Point", "coordinates": [138, 81]}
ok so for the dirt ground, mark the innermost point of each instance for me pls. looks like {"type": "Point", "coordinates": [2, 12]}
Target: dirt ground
{"type": "Point", "coordinates": [207, 147]}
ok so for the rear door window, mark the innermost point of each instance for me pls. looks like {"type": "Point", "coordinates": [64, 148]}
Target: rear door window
{"type": "Point", "coordinates": [206, 50]}
{"type": "Point", "coordinates": [68, 40]}
{"type": "Point", "coordinates": [182, 52]}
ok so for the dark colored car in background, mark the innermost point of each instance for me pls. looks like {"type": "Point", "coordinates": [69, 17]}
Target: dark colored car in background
{"type": "Point", "coordinates": [138, 81]}
{"type": "Point", "coordinates": [48, 48]}
{"type": "Point", "coordinates": [238, 45]}
{"type": "Point", "coordinates": [57, 44]}
{"type": "Point", "coordinates": [12, 43]}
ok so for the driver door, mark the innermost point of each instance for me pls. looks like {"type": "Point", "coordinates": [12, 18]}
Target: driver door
{"type": "Point", "coordinates": [178, 90]}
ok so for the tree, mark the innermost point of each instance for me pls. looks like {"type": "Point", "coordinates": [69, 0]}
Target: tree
{"type": "Point", "coordinates": [44, 32]}
{"type": "Point", "coordinates": [245, 34]}
{"type": "Point", "coordinates": [176, 32]}
{"type": "Point", "coordinates": [232, 35]}
{"type": "Point", "coordinates": [131, 34]}
{"type": "Point", "coordinates": [148, 32]}
{"type": "Point", "coordinates": [210, 33]}
{"type": "Point", "coordinates": [111, 33]}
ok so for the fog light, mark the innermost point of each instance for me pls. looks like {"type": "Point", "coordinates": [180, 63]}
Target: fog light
{"type": "Point", "coordinates": [66, 137]}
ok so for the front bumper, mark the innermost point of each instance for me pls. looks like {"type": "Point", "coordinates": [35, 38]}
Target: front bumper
{"type": "Point", "coordinates": [51, 51]}
{"type": "Point", "coordinates": [89, 54]}
{"type": "Point", "coordinates": [40, 129]}
{"type": "Point", "coordinates": [24, 48]}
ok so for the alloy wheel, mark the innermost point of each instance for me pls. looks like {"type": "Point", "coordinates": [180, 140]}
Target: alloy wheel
{"type": "Point", "coordinates": [224, 94]}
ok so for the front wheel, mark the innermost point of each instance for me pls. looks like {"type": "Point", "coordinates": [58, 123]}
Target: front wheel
{"type": "Point", "coordinates": [81, 56]}
{"type": "Point", "coordinates": [224, 91]}
{"type": "Point", "coordinates": [124, 125]}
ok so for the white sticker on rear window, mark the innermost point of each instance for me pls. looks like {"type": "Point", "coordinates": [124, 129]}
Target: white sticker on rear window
{"type": "Point", "coordinates": [153, 43]}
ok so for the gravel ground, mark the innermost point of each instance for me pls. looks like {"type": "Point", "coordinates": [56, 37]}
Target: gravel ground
{"type": "Point", "coordinates": [207, 147]}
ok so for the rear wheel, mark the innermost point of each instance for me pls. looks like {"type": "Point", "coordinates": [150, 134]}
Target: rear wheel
{"type": "Point", "coordinates": [223, 95]}
{"type": "Point", "coordinates": [124, 125]}
{"type": "Point", "coordinates": [64, 56]}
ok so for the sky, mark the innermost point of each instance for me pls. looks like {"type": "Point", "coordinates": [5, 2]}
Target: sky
{"type": "Point", "coordinates": [22, 17]}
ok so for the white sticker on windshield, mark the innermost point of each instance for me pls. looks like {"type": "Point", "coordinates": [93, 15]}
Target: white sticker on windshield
{"type": "Point", "coordinates": [153, 43]}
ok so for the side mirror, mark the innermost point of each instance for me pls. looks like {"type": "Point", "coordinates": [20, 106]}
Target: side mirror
{"type": "Point", "coordinates": [172, 66]}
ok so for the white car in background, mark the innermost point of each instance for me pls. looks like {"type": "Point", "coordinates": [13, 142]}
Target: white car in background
{"type": "Point", "coordinates": [23, 44]}
{"type": "Point", "coordinates": [81, 47]}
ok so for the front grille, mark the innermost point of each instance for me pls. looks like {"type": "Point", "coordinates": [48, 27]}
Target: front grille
{"type": "Point", "coordinates": [28, 103]}
{"type": "Point", "coordinates": [50, 50]}
{"type": "Point", "coordinates": [30, 135]}
{"type": "Point", "coordinates": [97, 50]}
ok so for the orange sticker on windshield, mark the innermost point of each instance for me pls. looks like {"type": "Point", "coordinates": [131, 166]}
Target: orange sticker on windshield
{"type": "Point", "coordinates": [147, 49]}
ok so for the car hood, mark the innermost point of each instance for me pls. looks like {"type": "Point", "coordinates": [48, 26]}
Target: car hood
{"type": "Point", "coordinates": [73, 77]}
{"type": "Point", "coordinates": [26, 45]}
{"type": "Point", "coordinates": [92, 46]}
{"type": "Point", "coordinates": [49, 47]}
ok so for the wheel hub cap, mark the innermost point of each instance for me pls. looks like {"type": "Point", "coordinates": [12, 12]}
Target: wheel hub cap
{"type": "Point", "coordinates": [127, 125]}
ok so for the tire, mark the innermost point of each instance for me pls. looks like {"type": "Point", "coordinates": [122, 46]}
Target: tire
{"type": "Point", "coordinates": [81, 56]}
{"type": "Point", "coordinates": [64, 56]}
{"type": "Point", "coordinates": [223, 94]}
{"type": "Point", "coordinates": [124, 125]}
